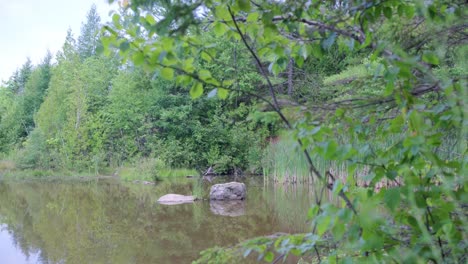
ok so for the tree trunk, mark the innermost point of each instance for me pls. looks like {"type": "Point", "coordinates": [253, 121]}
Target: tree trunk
{"type": "Point", "coordinates": [290, 76]}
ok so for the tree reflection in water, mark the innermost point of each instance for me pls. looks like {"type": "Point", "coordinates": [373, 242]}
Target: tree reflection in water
{"type": "Point", "coordinates": [110, 222]}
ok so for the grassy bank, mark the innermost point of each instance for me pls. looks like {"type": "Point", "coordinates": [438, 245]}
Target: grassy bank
{"type": "Point", "coordinates": [151, 169]}
{"type": "Point", "coordinates": [142, 170]}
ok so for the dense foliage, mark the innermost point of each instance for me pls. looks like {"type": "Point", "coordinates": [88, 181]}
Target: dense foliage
{"type": "Point", "coordinates": [392, 114]}
{"type": "Point", "coordinates": [89, 112]}
{"type": "Point", "coordinates": [378, 87]}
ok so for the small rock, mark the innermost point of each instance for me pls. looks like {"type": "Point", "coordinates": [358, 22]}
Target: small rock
{"type": "Point", "coordinates": [228, 191]}
{"type": "Point", "coordinates": [171, 198]}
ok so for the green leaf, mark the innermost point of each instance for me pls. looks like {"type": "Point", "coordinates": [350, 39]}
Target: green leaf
{"type": "Point", "coordinates": [253, 17]}
{"type": "Point", "coordinates": [339, 112]}
{"type": "Point", "coordinates": [337, 187]}
{"type": "Point", "coordinates": [377, 11]}
{"type": "Point", "coordinates": [409, 11]}
{"type": "Point", "coordinates": [188, 65]}
{"type": "Point", "coordinates": [387, 12]}
{"type": "Point", "coordinates": [167, 44]}
{"type": "Point", "coordinates": [315, 50]}
{"type": "Point", "coordinates": [327, 43]}
{"type": "Point", "coordinates": [267, 18]}
{"type": "Point", "coordinates": [312, 212]}
{"type": "Point", "coordinates": [331, 149]}
{"type": "Point", "coordinates": [299, 61]}
{"type": "Point", "coordinates": [269, 256]}
{"type": "Point", "coordinates": [220, 29]}
{"type": "Point", "coordinates": [322, 224]}
{"type": "Point", "coordinates": [116, 21]}
{"type": "Point", "coordinates": [138, 58]}
{"type": "Point", "coordinates": [183, 80]}
{"type": "Point", "coordinates": [106, 41]}
{"type": "Point", "coordinates": [196, 90]}
{"type": "Point", "coordinates": [401, 10]}
{"type": "Point", "coordinates": [150, 19]}
{"type": "Point", "coordinates": [416, 120]}
{"type": "Point", "coordinates": [392, 198]}
{"type": "Point", "coordinates": [205, 56]}
{"type": "Point", "coordinates": [397, 124]}
{"type": "Point", "coordinates": [431, 58]}
{"type": "Point", "coordinates": [244, 5]}
{"type": "Point", "coordinates": [227, 83]}
{"type": "Point", "coordinates": [222, 12]}
{"type": "Point", "coordinates": [368, 39]}
{"type": "Point", "coordinates": [338, 231]}
{"type": "Point", "coordinates": [296, 252]}
{"type": "Point", "coordinates": [204, 74]}
{"type": "Point", "coordinates": [420, 200]}
{"type": "Point", "coordinates": [124, 46]}
{"type": "Point", "coordinates": [167, 73]}
{"type": "Point", "coordinates": [222, 93]}
{"type": "Point", "coordinates": [432, 10]}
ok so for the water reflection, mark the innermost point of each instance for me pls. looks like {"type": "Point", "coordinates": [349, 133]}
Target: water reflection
{"type": "Point", "coordinates": [10, 253]}
{"type": "Point", "coordinates": [109, 222]}
{"type": "Point", "coordinates": [228, 208]}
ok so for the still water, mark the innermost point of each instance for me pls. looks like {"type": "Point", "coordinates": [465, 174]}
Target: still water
{"type": "Point", "coordinates": [106, 221]}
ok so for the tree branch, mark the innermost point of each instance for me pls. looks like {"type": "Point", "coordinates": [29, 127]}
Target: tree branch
{"type": "Point", "coordinates": [312, 167]}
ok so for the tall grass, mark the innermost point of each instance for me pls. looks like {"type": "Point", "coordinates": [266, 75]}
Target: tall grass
{"type": "Point", "coordinates": [284, 162]}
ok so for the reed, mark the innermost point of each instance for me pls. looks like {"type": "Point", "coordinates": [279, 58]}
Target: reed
{"type": "Point", "coordinates": [284, 162]}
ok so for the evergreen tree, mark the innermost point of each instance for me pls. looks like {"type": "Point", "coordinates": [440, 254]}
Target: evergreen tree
{"type": "Point", "coordinates": [69, 47]}
{"type": "Point", "coordinates": [19, 78]}
{"type": "Point", "coordinates": [17, 120]}
{"type": "Point", "coordinates": [34, 93]}
{"type": "Point", "coordinates": [88, 41]}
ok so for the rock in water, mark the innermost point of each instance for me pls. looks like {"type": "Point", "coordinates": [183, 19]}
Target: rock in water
{"type": "Point", "coordinates": [228, 191]}
{"type": "Point", "coordinates": [176, 199]}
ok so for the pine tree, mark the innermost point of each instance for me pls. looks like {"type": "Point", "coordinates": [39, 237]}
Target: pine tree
{"type": "Point", "coordinates": [19, 78]}
{"type": "Point", "coordinates": [88, 41]}
{"type": "Point", "coordinates": [69, 47]}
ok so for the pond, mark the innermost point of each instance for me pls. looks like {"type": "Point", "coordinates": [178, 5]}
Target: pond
{"type": "Point", "coordinates": [107, 221]}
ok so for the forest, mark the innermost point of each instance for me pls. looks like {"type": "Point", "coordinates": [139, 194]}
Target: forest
{"type": "Point", "coordinates": [363, 100]}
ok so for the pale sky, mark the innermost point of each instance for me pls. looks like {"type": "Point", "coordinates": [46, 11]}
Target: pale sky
{"type": "Point", "coordinates": [29, 27]}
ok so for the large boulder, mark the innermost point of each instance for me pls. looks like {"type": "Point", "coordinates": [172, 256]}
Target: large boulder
{"type": "Point", "coordinates": [228, 191]}
{"type": "Point", "coordinates": [176, 199]}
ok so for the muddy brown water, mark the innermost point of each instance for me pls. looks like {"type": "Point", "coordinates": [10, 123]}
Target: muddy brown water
{"type": "Point", "coordinates": [106, 221]}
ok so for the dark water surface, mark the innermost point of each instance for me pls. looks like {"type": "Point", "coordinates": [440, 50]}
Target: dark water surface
{"type": "Point", "coordinates": [111, 222]}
